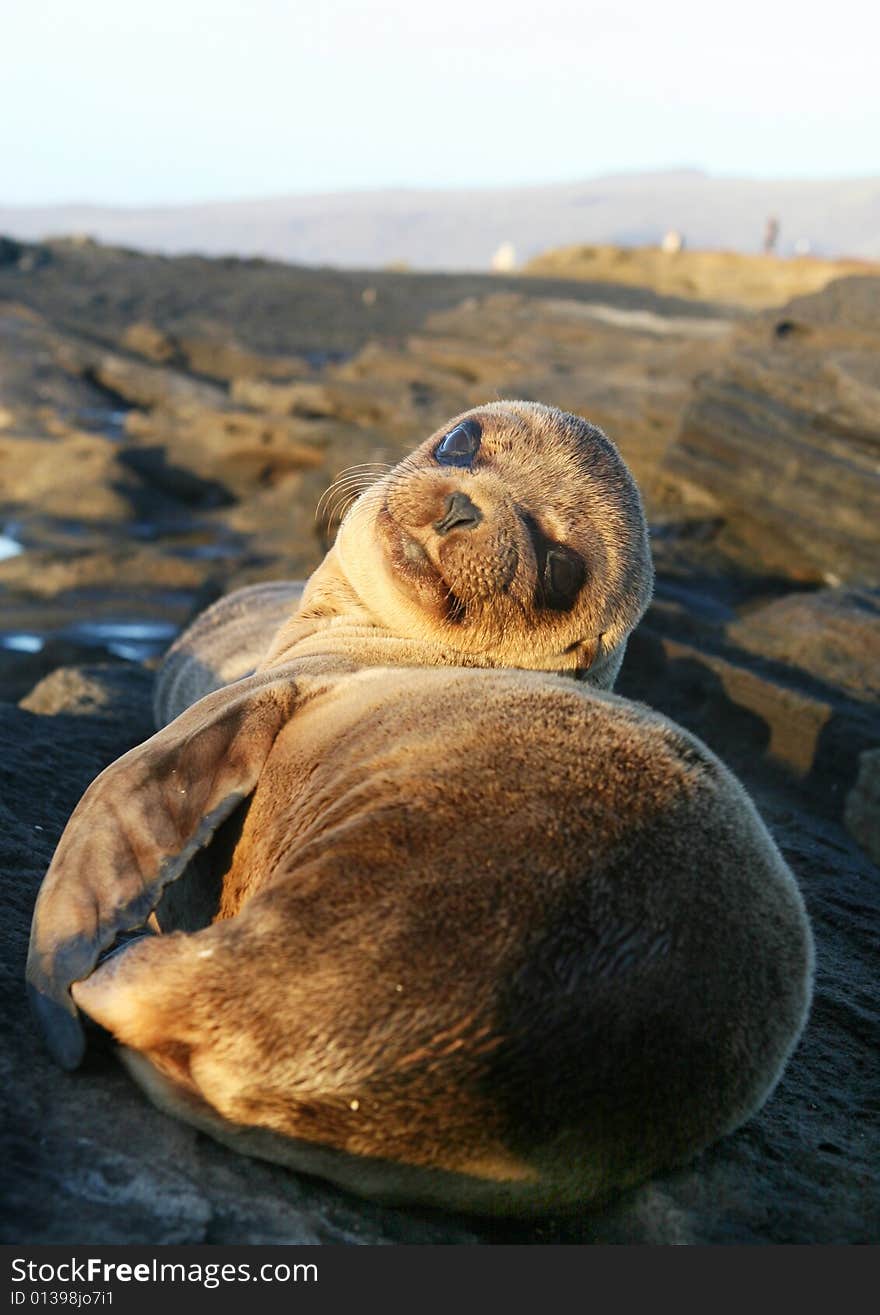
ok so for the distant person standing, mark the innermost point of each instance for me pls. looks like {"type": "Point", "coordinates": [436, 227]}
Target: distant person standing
{"type": "Point", "coordinates": [771, 235]}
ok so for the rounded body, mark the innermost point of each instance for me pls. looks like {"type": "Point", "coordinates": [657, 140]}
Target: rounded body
{"type": "Point", "coordinates": [487, 939]}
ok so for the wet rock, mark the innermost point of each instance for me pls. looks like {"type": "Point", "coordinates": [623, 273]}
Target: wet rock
{"type": "Point", "coordinates": [96, 621]}
{"type": "Point", "coordinates": [44, 573]}
{"type": "Point", "coordinates": [784, 437]}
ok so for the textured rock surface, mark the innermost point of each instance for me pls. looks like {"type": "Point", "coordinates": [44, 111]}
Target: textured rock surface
{"type": "Point", "coordinates": [862, 808]}
{"type": "Point", "coordinates": [785, 436]}
{"type": "Point", "coordinates": [833, 634]}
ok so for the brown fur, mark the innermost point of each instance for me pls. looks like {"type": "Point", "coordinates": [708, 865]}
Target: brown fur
{"type": "Point", "coordinates": [487, 937]}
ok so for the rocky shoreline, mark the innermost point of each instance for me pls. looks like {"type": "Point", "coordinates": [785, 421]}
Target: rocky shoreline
{"type": "Point", "coordinates": [167, 428]}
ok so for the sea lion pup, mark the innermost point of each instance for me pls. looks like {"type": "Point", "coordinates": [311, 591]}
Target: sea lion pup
{"type": "Point", "coordinates": [487, 937]}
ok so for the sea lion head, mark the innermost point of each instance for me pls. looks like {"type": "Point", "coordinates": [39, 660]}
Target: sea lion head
{"type": "Point", "coordinates": [513, 536]}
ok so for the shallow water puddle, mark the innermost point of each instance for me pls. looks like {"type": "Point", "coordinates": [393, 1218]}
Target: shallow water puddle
{"type": "Point", "coordinates": [22, 643]}
{"type": "Point", "coordinates": [131, 640]}
{"type": "Point", "coordinates": [108, 422]}
{"type": "Point", "coordinates": [9, 547]}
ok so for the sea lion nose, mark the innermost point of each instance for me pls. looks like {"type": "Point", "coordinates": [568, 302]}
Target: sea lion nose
{"type": "Point", "coordinates": [460, 514]}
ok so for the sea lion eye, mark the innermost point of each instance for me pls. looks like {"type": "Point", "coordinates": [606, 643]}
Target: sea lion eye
{"type": "Point", "coordinates": [460, 445]}
{"type": "Point", "coordinates": [564, 574]}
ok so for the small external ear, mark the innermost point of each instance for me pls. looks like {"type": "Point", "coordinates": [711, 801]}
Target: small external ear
{"type": "Point", "coordinates": [586, 654]}
{"type": "Point", "coordinates": [599, 665]}
{"type": "Point", "coordinates": [135, 830]}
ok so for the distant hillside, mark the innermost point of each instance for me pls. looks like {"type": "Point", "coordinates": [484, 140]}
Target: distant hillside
{"type": "Point", "coordinates": [461, 230]}
{"type": "Point", "coordinates": [720, 276]}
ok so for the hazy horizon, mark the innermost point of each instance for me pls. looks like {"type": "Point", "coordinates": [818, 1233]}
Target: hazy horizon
{"type": "Point", "coordinates": [515, 185]}
{"type": "Point", "coordinates": [461, 228]}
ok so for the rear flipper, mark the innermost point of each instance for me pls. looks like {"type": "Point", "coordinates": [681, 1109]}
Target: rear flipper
{"type": "Point", "coordinates": [265, 1065]}
{"type": "Point", "coordinates": [135, 831]}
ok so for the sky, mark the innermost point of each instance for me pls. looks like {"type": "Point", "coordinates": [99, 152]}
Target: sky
{"type": "Point", "coordinates": [173, 101]}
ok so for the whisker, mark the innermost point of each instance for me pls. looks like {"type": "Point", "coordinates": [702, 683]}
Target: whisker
{"type": "Point", "coordinates": [345, 486]}
{"type": "Point", "coordinates": [366, 465]}
{"type": "Point", "coordinates": [334, 511]}
{"type": "Point", "coordinates": [345, 480]}
{"type": "Point", "coordinates": [349, 484]}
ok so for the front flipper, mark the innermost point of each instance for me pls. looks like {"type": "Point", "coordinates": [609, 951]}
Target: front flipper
{"type": "Point", "coordinates": [135, 830]}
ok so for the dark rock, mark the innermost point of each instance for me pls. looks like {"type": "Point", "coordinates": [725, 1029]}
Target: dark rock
{"type": "Point", "coordinates": [19, 669]}
{"type": "Point", "coordinates": [272, 309]}
{"type": "Point", "coordinates": [39, 396]}
{"type": "Point", "coordinates": [770, 722]}
{"type": "Point", "coordinates": [175, 481]}
{"type": "Point", "coordinates": [138, 383]}
{"type": "Point", "coordinates": [10, 251]}
{"type": "Point", "coordinates": [101, 691]}
{"type": "Point", "coordinates": [862, 810]}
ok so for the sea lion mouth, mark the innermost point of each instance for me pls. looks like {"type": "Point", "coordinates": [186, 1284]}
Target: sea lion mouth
{"type": "Point", "coordinates": [416, 573]}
